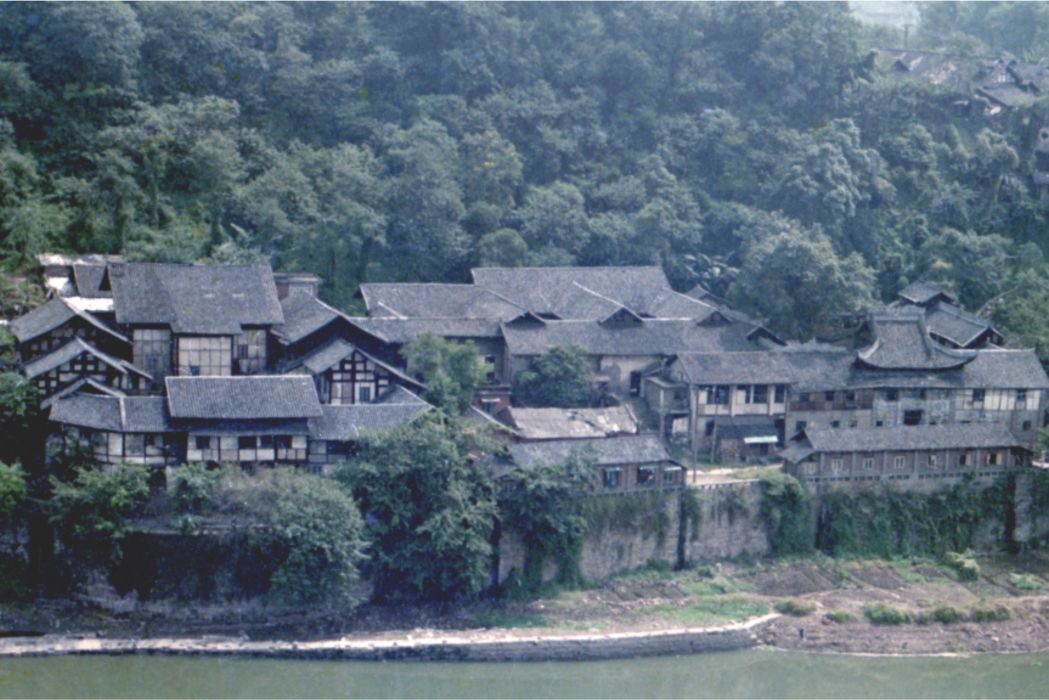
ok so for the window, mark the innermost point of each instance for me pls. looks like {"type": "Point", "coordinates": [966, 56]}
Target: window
{"type": "Point", "coordinates": [152, 350]}
{"type": "Point", "coordinates": [853, 424]}
{"type": "Point", "coordinates": [828, 396]}
{"type": "Point", "coordinates": [489, 365]}
{"type": "Point", "coordinates": [900, 461]}
{"type": "Point", "coordinates": [745, 388]}
{"type": "Point", "coordinates": [1026, 426]}
{"type": "Point", "coordinates": [892, 395]}
{"type": "Point", "coordinates": [1021, 395]}
{"type": "Point", "coordinates": [246, 442]}
{"type": "Point", "coordinates": [611, 477]}
{"type": "Point", "coordinates": [708, 429]}
{"type": "Point", "coordinates": [879, 423]}
{"type": "Point", "coordinates": [836, 465]}
{"type": "Point", "coordinates": [251, 351]}
{"type": "Point", "coordinates": [963, 459]}
{"type": "Point", "coordinates": [717, 395]}
{"type": "Point", "coordinates": [835, 424]}
{"type": "Point", "coordinates": [134, 445]}
{"type": "Point", "coordinates": [672, 475]}
{"type": "Point", "coordinates": [992, 458]}
{"type": "Point", "coordinates": [202, 442]}
{"type": "Point", "coordinates": [266, 442]}
{"type": "Point", "coordinates": [922, 394]}
{"type": "Point", "coordinates": [489, 406]}
{"type": "Point", "coordinates": [932, 462]}
{"type": "Point", "coordinates": [760, 394]}
{"type": "Point", "coordinates": [1018, 460]}
{"type": "Point", "coordinates": [799, 426]}
{"type": "Point", "coordinates": [868, 464]}
{"type": "Point", "coordinates": [850, 397]}
{"type": "Point", "coordinates": [978, 395]}
{"type": "Point", "coordinates": [646, 475]}
{"type": "Point", "coordinates": [803, 397]}
{"type": "Point", "coordinates": [205, 355]}
{"type": "Point", "coordinates": [781, 391]}
{"type": "Point", "coordinates": [364, 393]}
{"type": "Point", "coordinates": [912, 417]}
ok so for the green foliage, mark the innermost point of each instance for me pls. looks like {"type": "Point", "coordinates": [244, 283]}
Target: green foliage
{"type": "Point", "coordinates": [882, 614]}
{"type": "Point", "coordinates": [964, 565]}
{"type": "Point", "coordinates": [545, 505]}
{"type": "Point", "coordinates": [429, 510]}
{"type": "Point", "coordinates": [644, 512]}
{"type": "Point", "coordinates": [1026, 582]}
{"type": "Point", "coordinates": [191, 487]}
{"type": "Point", "coordinates": [692, 512]}
{"type": "Point", "coordinates": [450, 370]}
{"type": "Point", "coordinates": [559, 377]}
{"type": "Point", "coordinates": [785, 506]}
{"type": "Point", "coordinates": [795, 608]}
{"type": "Point", "coordinates": [946, 615]}
{"type": "Point", "coordinates": [12, 489]}
{"type": "Point", "coordinates": [886, 522]}
{"type": "Point", "coordinates": [306, 528]}
{"type": "Point", "coordinates": [986, 612]}
{"type": "Point", "coordinates": [92, 511]}
{"type": "Point", "coordinates": [838, 617]}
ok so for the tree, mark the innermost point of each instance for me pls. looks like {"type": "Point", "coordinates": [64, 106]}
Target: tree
{"type": "Point", "coordinates": [12, 489]}
{"type": "Point", "coordinates": [451, 370]}
{"type": "Point", "coordinates": [545, 506]}
{"type": "Point", "coordinates": [797, 282]}
{"type": "Point", "coordinates": [560, 377]}
{"type": "Point", "coordinates": [429, 510]}
{"type": "Point", "coordinates": [19, 410]}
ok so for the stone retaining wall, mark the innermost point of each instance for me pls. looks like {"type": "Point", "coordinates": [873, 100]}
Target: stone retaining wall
{"type": "Point", "coordinates": [423, 648]}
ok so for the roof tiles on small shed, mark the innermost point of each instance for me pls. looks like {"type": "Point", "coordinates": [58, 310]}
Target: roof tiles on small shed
{"type": "Point", "coordinates": [242, 398]}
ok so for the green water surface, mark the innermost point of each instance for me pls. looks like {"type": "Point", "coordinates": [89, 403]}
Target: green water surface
{"type": "Point", "coordinates": [744, 674]}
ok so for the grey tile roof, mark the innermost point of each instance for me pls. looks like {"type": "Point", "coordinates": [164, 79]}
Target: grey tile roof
{"type": "Point", "coordinates": [51, 315]}
{"type": "Point", "coordinates": [990, 368]}
{"type": "Point", "coordinates": [204, 299]}
{"type": "Point", "coordinates": [125, 414]}
{"type": "Point", "coordinates": [405, 330]}
{"type": "Point", "coordinates": [555, 290]}
{"type": "Point", "coordinates": [957, 325]}
{"type": "Point", "coordinates": [764, 367]}
{"type": "Point", "coordinates": [572, 423]}
{"type": "Point", "coordinates": [902, 342]}
{"type": "Point", "coordinates": [337, 350]}
{"type": "Point", "coordinates": [652, 337]}
{"type": "Point", "coordinates": [629, 449]}
{"type": "Point", "coordinates": [436, 301]}
{"type": "Point", "coordinates": [242, 398]}
{"type": "Point", "coordinates": [303, 314]}
{"type": "Point", "coordinates": [351, 422]}
{"type": "Point", "coordinates": [918, 437]}
{"type": "Point", "coordinates": [72, 349]}
{"type": "Point", "coordinates": [922, 292]}
{"type": "Point", "coordinates": [83, 384]}
{"type": "Point", "coordinates": [88, 279]}
{"type": "Point", "coordinates": [742, 427]}
{"type": "Point", "coordinates": [398, 394]}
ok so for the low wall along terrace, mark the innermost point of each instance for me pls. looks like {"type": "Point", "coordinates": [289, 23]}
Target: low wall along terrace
{"type": "Point", "coordinates": [635, 530]}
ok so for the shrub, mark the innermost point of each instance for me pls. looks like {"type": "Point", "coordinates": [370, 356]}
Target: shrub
{"type": "Point", "coordinates": [838, 617]}
{"type": "Point", "coordinates": [881, 614]}
{"type": "Point", "coordinates": [797, 608]}
{"type": "Point", "coordinates": [984, 612]}
{"type": "Point", "coordinates": [12, 489]}
{"type": "Point", "coordinates": [1026, 582]}
{"type": "Point", "coordinates": [192, 487]}
{"type": "Point", "coordinates": [966, 567]}
{"type": "Point", "coordinates": [946, 615]}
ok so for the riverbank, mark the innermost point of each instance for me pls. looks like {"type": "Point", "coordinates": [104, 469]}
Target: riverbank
{"type": "Point", "coordinates": [1005, 609]}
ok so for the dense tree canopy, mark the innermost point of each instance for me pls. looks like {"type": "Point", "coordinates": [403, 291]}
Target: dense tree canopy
{"type": "Point", "coordinates": [410, 141]}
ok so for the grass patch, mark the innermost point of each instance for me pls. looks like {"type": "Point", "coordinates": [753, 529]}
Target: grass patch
{"type": "Point", "coordinates": [838, 617]}
{"type": "Point", "coordinates": [964, 565]}
{"type": "Point", "coordinates": [719, 585]}
{"type": "Point", "coordinates": [797, 608]}
{"type": "Point", "coordinates": [946, 615]}
{"type": "Point", "coordinates": [1026, 582]}
{"type": "Point", "coordinates": [503, 619]}
{"type": "Point", "coordinates": [985, 612]}
{"type": "Point", "coordinates": [881, 614]}
{"type": "Point", "coordinates": [710, 611]}
{"type": "Point", "coordinates": [653, 570]}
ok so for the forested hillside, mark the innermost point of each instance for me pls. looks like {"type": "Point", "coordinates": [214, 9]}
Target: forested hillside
{"type": "Point", "coordinates": [758, 149]}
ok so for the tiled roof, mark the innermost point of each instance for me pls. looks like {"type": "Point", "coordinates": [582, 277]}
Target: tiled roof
{"type": "Point", "coordinates": [652, 337]}
{"type": "Point", "coordinates": [204, 299]}
{"type": "Point", "coordinates": [351, 422]}
{"type": "Point", "coordinates": [917, 437]}
{"type": "Point", "coordinates": [956, 325]}
{"type": "Point", "coordinates": [126, 414]}
{"type": "Point", "coordinates": [338, 350]}
{"type": "Point", "coordinates": [405, 330]}
{"type": "Point", "coordinates": [902, 342]}
{"type": "Point", "coordinates": [742, 427]}
{"type": "Point", "coordinates": [303, 314]}
{"type": "Point", "coordinates": [435, 301]}
{"type": "Point", "coordinates": [922, 292]}
{"type": "Point", "coordinates": [88, 279]}
{"type": "Point", "coordinates": [574, 423]}
{"type": "Point", "coordinates": [51, 315]}
{"type": "Point", "coordinates": [242, 398]}
{"type": "Point", "coordinates": [629, 449]}
{"type": "Point", "coordinates": [72, 349]}
{"type": "Point", "coordinates": [555, 290]}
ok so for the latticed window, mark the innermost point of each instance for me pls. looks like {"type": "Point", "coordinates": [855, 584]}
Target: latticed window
{"type": "Point", "coordinates": [205, 356]}
{"type": "Point", "coordinates": [152, 350]}
{"type": "Point", "coordinates": [251, 351]}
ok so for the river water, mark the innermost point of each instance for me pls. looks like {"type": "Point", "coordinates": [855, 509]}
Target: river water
{"type": "Point", "coordinates": [743, 674]}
